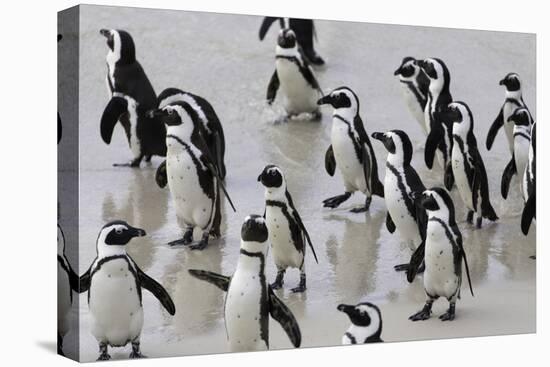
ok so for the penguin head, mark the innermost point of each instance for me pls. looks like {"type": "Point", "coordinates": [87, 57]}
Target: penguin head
{"type": "Point", "coordinates": [397, 143]}
{"type": "Point", "coordinates": [408, 69]}
{"type": "Point", "coordinates": [121, 46]}
{"type": "Point", "coordinates": [254, 234]}
{"type": "Point", "coordinates": [364, 314]}
{"type": "Point", "coordinates": [459, 114]}
{"type": "Point", "coordinates": [438, 202]}
{"type": "Point", "coordinates": [512, 82]}
{"type": "Point", "coordinates": [60, 241]}
{"type": "Point", "coordinates": [178, 118]}
{"type": "Point", "coordinates": [273, 179]}
{"type": "Point", "coordinates": [521, 117]}
{"type": "Point", "coordinates": [436, 70]}
{"type": "Point", "coordinates": [286, 38]}
{"type": "Point", "coordinates": [114, 236]}
{"type": "Point", "coordinates": [341, 98]}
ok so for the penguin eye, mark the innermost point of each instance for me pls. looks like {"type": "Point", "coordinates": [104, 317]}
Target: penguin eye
{"type": "Point", "coordinates": [118, 231]}
{"type": "Point", "coordinates": [170, 112]}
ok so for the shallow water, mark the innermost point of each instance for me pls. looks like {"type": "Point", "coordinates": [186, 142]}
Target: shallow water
{"type": "Point", "coordinates": [220, 58]}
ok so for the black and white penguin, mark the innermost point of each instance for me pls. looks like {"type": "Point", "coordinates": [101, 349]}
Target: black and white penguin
{"type": "Point", "coordinates": [295, 78]}
{"type": "Point", "coordinates": [126, 77]}
{"type": "Point", "coordinates": [305, 32]}
{"type": "Point", "coordinates": [467, 165]}
{"type": "Point", "coordinates": [366, 323]}
{"type": "Point", "coordinates": [287, 233]}
{"type": "Point", "coordinates": [439, 96]}
{"type": "Point", "coordinates": [350, 150]}
{"type": "Point", "coordinates": [250, 299]}
{"type": "Point", "coordinates": [114, 284]}
{"type": "Point", "coordinates": [522, 121]}
{"type": "Point", "coordinates": [442, 254]}
{"type": "Point", "coordinates": [400, 184]}
{"type": "Point", "coordinates": [67, 282]}
{"type": "Point", "coordinates": [529, 184]}
{"type": "Point", "coordinates": [191, 174]}
{"type": "Point", "coordinates": [414, 86]}
{"type": "Point", "coordinates": [146, 136]}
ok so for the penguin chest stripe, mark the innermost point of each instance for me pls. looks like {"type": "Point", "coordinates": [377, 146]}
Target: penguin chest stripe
{"type": "Point", "coordinates": [401, 185]}
{"type": "Point", "coordinates": [131, 269]}
{"type": "Point", "coordinates": [353, 138]}
{"type": "Point", "coordinates": [295, 231]}
{"type": "Point", "coordinates": [455, 249]}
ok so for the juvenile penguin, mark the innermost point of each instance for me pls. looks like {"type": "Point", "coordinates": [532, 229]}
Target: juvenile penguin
{"type": "Point", "coordinates": [295, 78]}
{"type": "Point", "coordinates": [529, 185]}
{"type": "Point", "coordinates": [287, 232]}
{"type": "Point", "coordinates": [366, 323]}
{"type": "Point", "coordinates": [250, 300]}
{"type": "Point", "coordinates": [414, 86]}
{"type": "Point", "coordinates": [350, 150]}
{"type": "Point", "coordinates": [439, 96]}
{"type": "Point", "coordinates": [208, 124]}
{"type": "Point", "coordinates": [67, 282]}
{"type": "Point", "coordinates": [442, 253]}
{"type": "Point", "coordinates": [126, 77]}
{"type": "Point", "coordinates": [191, 174]}
{"type": "Point", "coordinates": [400, 184]}
{"type": "Point", "coordinates": [522, 120]}
{"type": "Point", "coordinates": [467, 166]}
{"type": "Point", "coordinates": [114, 284]}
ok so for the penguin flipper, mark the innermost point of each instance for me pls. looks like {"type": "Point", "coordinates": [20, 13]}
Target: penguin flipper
{"type": "Point", "coordinates": [283, 315]}
{"type": "Point", "coordinates": [390, 225]}
{"type": "Point", "coordinates": [463, 253]}
{"type": "Point", "coordinates": [157, 290]}
{"type": "Point", "coordinates": [529, 212]}
{"type": "Point", "coordinates": [493, 130]}
{"type": "Point", "coordinates": [266, 23]}
{"type": "Point", "coordinates": [161, 176]}
{"type": "Point", "coordinates": [272, 87]}
{"type": "Point", "coordinates": [298, 220]}
{"type": "Point", "coordinates": [85, 281]}
{"type": "Point", "coordinates": [432, 142]}
{"type": "Point", "coordinates": [507, 175]}
{"type": "Point", "coordinates": [330, 161]}
{"type": "Point", "coordinates": [307, 73]}
{"type": "Point", "coordinates": [449, 178]}
{"type": "Point", "coordinates": [366, 167]}
{"type": "Point", "coordinates": [416, 260]}
{"type": "Point", "coordinates": [114, 109]}
{"type": "Point", "coordinates": [220, 281]}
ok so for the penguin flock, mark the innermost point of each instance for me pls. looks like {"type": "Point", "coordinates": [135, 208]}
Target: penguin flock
{"type": "Point", "coordinates": [184, 129]}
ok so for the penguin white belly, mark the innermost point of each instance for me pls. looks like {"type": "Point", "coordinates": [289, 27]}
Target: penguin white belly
{"type": "Point", "coordinates": [243, 310]}
{"type": "Point", "coordinates": [193, 206]}
{"type": "Point", "coordinates": [507, 111]}
{"type": "Point", "coordinates": [413, 105]}
{"type": "Point", "coordinates": [439, 277]}
{"type": "Point", "coordinates": [346, 158]}
{"type": "Point", "coordinates": [300, 96]}
{"type": "Point", "coordinates": [521, 155]}
{"type": "Point", "coordinates": [63, 300]}
{"type": "Point", "coordinates": [135, 145]}
{"type": "Point", "coordinates": [115, 310]}
{"type": "Point", "coordinates": [285, 253]}
{"type": "Point", "coordinates": [461, 179]}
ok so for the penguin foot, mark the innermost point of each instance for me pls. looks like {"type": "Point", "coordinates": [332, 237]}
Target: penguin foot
{"type": "Point", "coordinates": [478, 222]}
{"type": "Point", "coordinates": [401, 267]}
{"type": "Point", "coordinates": [299, 289]}
{"type": "Point", "coordinates": [136, 355]}
{"type": "Point", "coordinates": [470, 217]}
{"type": "Point", "coordinates": [276, 285]}
{"type": "Point", "coordinates": [187, 239]}
{"type": "Point", "coordinates": [316, 115]}
{"type": "Point", "coordinates": [424, 314]}
{"type": "Point", "coordinates": [335, 201]}
{"type": "Point", "coordinates": [103, 355]}
{"type": "Point", "coordinates": [314, 58]}
{"type": "Point", "coordinates": [134, 164]}
{"type": "Point", "coordinates": [361, 209]}
{"type": "Point", "coordinates": [202, 244]}
{"type": "Point", "coordinates": [148, 158]}
{"type": "Point", "coordinates": [449, 315]}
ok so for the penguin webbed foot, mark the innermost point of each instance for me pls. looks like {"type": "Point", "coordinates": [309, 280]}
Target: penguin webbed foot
{"type": "Point", "coordinates": [316, 115]}
{"type": "Point", "coordinates": [364, 208]}
{"type": "Point", "coordinates": [187, 239]}
{"type": "Point", "coordinates": [479, 220]}
{"type": "Point", "coordinates": [202, 244]}
{"type": "Point", "coordinates": [470, 216]}
{"type": "Point", "coordinates": [103, 355]}
{"type": "Point", "coordinates": [449, 315]}
{"type": "Point", "coordinates": [133, 164]}
{"type": "Point", "coordinates": [136, 352]}
{"type": "Point", "coordinates": [423, 314]}
{"type": "Point", "coordinates": [301, 286]}
{"type": "Point", "coordinates": [278, 283]}
{"type": "Point", "coordinates": [335, 201]}
{"type": "Point", "coordinates": [313, 57]}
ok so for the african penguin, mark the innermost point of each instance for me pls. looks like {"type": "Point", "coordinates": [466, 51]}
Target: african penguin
{"type": "Point", "coordinates": [295, 78]}
{"type": "Point", "coordinates": [414, 86]}
{"type": "Point", "coordinates": [191, 174]}
{"type": "Point", "coordinates": [366, 323]}
{"type": "Point", "coordinates": [250, 299]}
{"type": "Point", "coordinates": [467, 165]}
{"type": "Point", "coordinates": [305, 32]}
{"type": "Point", "coordinates": [114, 284]}
{"type": "Point", "coordinates": [442, 253]}
{"type": "Point", "coordinates": [67, 282]}
{"type": "Point", "coordinates": [521, 120]}
{"type": "Point", "coordinates": [125, 76]}
{"type": "Point", "coordinates": [287, 233]}
{"type": "Point", "coordinates": [208, 123]}
{"type": "Point", "coordinates": [529, 184]}
{"type": "Point", "coordinates": [350, 150]}
{"type": "Point", "coordinates": [400, 183]}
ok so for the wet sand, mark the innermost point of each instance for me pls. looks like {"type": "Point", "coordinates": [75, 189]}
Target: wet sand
{"type": "Point", "coordinates": [220, 58]}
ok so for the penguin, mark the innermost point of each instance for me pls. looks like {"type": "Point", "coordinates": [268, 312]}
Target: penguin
{"type": "Point", "coordinates": [522, 120]}
{"type": "Point", "coordinates": [67, 282]}
{"type": "Point", "coordinates": [414, 86]}
{"type": "Point", "coordinates": [305, 32]}
{"type": "Point", "coordinates": [208, 123]}
{"type": "Point", "coordinates": [439, 96]}
{"type": "Point", "coordinates": [400, 184]}
{"type": "Point", "coordinates": [467, 167]}
{"type": "Point", "coordinates": [350, 150]}
{"type": "Point", "coordinates": [295, 78]}
{"type": "Point", "coordinates": [126, 76]}
{"type": "Point", "coordinates": [250, 299]}
{"type": "Point", "coordinates": [146, 136]}
{"type": "Point", "coordinates": [191, 175]}
{"type": "Point", "coordinates": [287, 233]}
{"type": "Point", "coordinates": [114, 284]}
{"type": "Point", "coordinates": [529, 184]}
{"type": "Point", "coordinates": [442, 254]}
{"type": "Point", "coordinates": [366, 323]}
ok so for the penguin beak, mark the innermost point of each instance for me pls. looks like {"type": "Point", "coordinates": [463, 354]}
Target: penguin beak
{"type": "Point", "coordinates": [397, 72]}
{"type": "Point", "coordinates": [105, 32]}
{"type": "Point", "coordinates": [154, 113]}
{"type": "Point", "coordinates": [325, 100]}
{"type": "Point", "coordinates": [137, 232]}
{"type": "Point", "coordinates": [347, 309]}
{"type": "Point", "coordinates": [379, 136]}
{"type": "Point", "coordinates": [260, 177]}
{"type": "Point", "coordinates": [501, 82]}
{"type": "Point", "coordinates": [510, 118]}
{"type": "Point", "coordinates": [59, 37]}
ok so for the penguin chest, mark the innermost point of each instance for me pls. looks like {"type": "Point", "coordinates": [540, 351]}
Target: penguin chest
{"type": "Point", "coordinates": [414, 105]}
{"type": "Point", "coordinates": [246, 311]}
{"type": "Point", "coordinates": [63, 300]}
{"type": "Point", "coordinates": [440, 278]}
{"type": "Point", "coordinates": [461, 178]}
{"type": "Point", "coordinates": [507, 111]}
{"type": "Point", "coordinates": [115, 307]}
{"type": "Point", "coordinates": [521, 154]}
{"type": "Point", "coordinates": [300, 96]}
{"type": "Point", "coordinates": [285, 253]}
{"type": "Point", "coordinates": [346, 158]}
